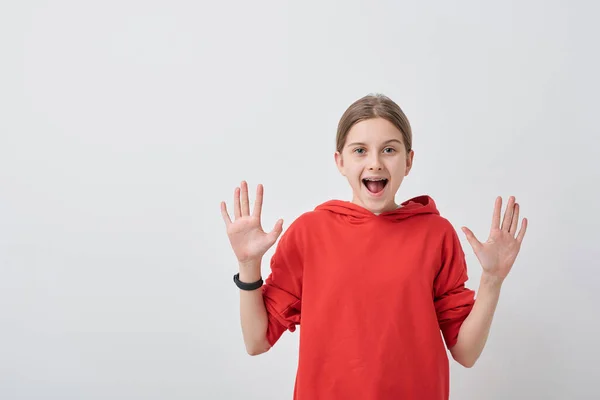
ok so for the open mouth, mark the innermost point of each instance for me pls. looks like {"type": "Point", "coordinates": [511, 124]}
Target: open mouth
{"type": "Point", "coordinates": [375, 186]}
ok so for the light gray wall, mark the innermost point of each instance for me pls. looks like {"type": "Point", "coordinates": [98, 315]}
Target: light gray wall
{"type": "Point", "coordinates": [124, 124]}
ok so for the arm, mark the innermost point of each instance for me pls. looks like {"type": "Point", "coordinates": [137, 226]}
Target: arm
{"type": "Point", "coordinates": [497, 256]}
{"type": "Point", "coordinates": [253, 313]}
{"type": "Point", "coordinates": [475, 330]}
{"type": "Point", "coordinates": [249, 243]}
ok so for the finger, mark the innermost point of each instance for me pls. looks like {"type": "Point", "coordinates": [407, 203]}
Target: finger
{"type": "Point", "coordinates": [236, 203]}
{"type": "Point", "coordinates": [522, 231]}
{"type": "Point", "coordinates": [225, 214]}
{"type": "Point", "coordinates": [277, 229]}
{"type": "Point", "coordinates": [259, 200]}
{"type": "Point", "coordinates": [245, 201]}
{"type": "Point", "coordinates": [496, 216]}
{"type": "Point", "coordinates": [473, 241]}
{"type": "Point", "coordinates": [515, 221]}
{"type": "Point", "coordinates": [508, 213]}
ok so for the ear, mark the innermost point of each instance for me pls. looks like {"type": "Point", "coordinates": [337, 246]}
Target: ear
{"type": "Point", "coordinates": [409, 161]}
{"type": "Point", "coordinates": [339, 162]}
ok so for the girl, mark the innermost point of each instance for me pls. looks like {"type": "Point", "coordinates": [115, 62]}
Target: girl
{"type": "Point", "coordinates": [379, 288]}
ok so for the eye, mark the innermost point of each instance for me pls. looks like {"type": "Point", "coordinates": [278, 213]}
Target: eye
{"type": "Point", "coordinates": [389, 148]}
{"type": "Point", "coordinates": [359, 150]}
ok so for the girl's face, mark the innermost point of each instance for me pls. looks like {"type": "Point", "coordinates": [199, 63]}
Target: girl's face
{"type": "Point", "coordinates": [375, 162]}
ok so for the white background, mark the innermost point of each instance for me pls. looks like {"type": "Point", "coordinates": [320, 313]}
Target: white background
{"type": "Point", "coordinates": [124, 124]}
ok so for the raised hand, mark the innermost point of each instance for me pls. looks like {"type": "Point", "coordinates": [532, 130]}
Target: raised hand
{"type": "Point", "coordinates": [246, 235]}
{"type": "Point", "coordinates": [498, 254]}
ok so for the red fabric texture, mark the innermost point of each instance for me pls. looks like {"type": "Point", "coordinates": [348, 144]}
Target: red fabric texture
{"type": "Point", "coordinates": [375, 296]}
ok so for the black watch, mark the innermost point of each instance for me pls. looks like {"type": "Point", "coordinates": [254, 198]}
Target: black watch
{"type": "Point", "coordinates": [247, 286]}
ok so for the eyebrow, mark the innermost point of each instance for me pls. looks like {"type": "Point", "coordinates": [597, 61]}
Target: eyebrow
{"type": "Point", "coordinates": [386, 142]}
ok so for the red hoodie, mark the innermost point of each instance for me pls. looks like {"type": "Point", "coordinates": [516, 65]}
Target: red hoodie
{"type": "Point", "coordinates": [376, 297]}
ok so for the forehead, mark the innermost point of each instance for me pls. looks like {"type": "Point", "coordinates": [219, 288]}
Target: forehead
{"type": "Point", "coordinates": [374, 130]}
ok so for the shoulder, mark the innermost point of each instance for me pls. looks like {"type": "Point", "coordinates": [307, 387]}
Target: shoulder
{"type": "Point", "coordinates": [302, 223]}
{"type": "Point", "coordinates": [298, 229]}
{"type": "Point", "coordinates": [439, 232]}
{"type": "Point", "coordinates": [436, 223]}
{"type": "Point", "coordinates": [444, 224]}
{"type": "Point", "coordinates": [304, 228]}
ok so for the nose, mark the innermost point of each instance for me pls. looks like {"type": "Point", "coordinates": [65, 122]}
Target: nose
{"type": "Point", "coordinates": [374, 163]}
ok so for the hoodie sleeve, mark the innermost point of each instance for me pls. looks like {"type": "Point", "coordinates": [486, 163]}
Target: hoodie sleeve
{"type": "Point", "coordinates": [283, 287]}
{"type": "Point", "coordinates": [453, 301]}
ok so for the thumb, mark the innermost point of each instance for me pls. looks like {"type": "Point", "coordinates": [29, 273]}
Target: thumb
{"type": "Point", "coordinates": [277, 229]}
{"type": "Point", "coordinates": [471, 238]}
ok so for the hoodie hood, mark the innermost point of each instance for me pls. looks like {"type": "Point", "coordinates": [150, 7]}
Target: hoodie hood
{"type": "Point", "coordinates": [358, 214]}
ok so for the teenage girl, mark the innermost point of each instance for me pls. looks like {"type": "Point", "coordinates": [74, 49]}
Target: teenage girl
{"type": "Point", "coordinates": [378, 288]}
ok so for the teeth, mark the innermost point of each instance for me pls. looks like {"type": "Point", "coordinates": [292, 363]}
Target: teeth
{"type": "Point", "coordinates": [375, 179]}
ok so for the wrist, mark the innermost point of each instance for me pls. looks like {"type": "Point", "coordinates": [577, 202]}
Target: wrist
{"type": "Point", "coordinates": [250, 271]}
{"type": "Point", "coordinates": [251, 264]}
{"type": "Point", "coordinates": [491, 280]}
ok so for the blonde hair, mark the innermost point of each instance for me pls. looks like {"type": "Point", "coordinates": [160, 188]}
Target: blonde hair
{"type": "Point", "coordinates": [373, 106]}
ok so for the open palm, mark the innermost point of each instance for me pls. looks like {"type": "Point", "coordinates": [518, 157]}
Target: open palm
{"type": "Point", "coordinates": [248, 239]}
{"type": "Point", "coordinates": [498, 254]}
